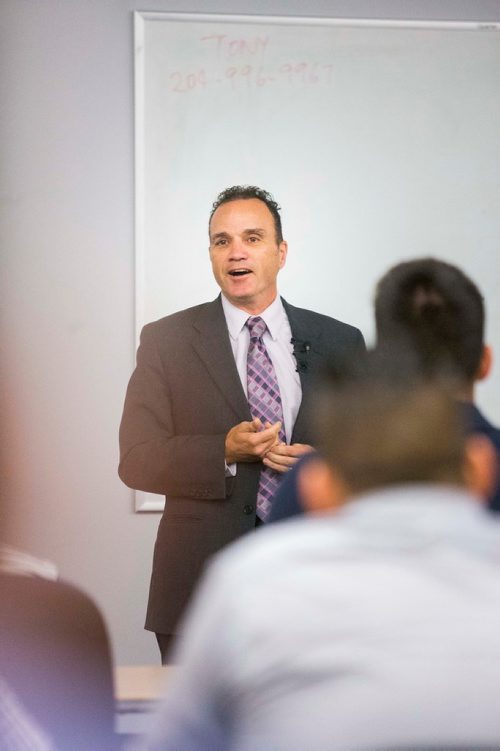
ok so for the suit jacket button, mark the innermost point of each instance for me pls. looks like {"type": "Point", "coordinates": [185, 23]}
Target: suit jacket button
{"type": "Point", "coordinates": [248, 509]}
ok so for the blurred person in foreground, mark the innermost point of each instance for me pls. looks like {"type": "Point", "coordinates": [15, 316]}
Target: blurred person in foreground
{"type": "Point", "coordinates": [373, 623]}
{"type": "Point", "coordinates": [439, 311]}
{"type": "Point", "coordinates": [56, 680]}
{"type": "Point", "coordinates": [436, 310]}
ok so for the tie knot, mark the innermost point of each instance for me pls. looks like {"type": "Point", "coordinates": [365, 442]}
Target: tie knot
{"type": "Point", "coordinates": [256, 326]}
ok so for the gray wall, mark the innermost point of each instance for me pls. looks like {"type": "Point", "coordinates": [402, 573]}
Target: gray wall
{"type": "Point", "coordinates": [67, 284]}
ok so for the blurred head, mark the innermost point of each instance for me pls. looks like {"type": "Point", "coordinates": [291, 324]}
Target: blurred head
{"type": "Point", "coordinates": [434, 308]}
{"type": "Point", "coordinates": [382, 424]}
{"type": "Point", "coordinates": [245, 253]}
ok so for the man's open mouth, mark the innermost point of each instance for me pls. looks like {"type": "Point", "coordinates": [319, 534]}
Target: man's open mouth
{"type": "Point", "coordinates": [240, 272]}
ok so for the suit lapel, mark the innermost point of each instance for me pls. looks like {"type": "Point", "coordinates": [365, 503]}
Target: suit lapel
{"type": "Point", "coordinates": [304, 335]}
{"type": "Point", "coordinates": [212, 344]}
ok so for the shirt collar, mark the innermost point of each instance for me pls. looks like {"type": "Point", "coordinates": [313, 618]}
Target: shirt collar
{"type": "Point", "coordinates": [273, 315]}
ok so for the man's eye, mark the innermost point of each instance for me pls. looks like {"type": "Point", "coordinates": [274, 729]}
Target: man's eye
{"type": "Point", "coordinates": [220, 241]}
{"type": "Point", "coordinates": [253, 238]}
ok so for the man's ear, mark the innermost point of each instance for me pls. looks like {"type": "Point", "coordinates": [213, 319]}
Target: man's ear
{"type": "Point", "coordinates": [480, 466]}
{"type": "Point", "coordinates": [320, 488]}
{"type": "Point", "coordinates": [485, 364]}
{"type": "Point", "coordinates": [282, 251]}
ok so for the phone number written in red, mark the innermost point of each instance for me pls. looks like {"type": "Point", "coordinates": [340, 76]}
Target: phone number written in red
{"type": "Point", "coordinates": [294, 74]}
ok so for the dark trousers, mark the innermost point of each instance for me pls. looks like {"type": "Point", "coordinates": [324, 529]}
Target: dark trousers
{"type": "Point", "coordinates": [166, 641]}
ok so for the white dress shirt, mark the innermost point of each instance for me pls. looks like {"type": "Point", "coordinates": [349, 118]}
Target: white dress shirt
{"type": "Point", "coordinates": [374, 627]}
{"type": "Point", "coordinates": [277, 339]}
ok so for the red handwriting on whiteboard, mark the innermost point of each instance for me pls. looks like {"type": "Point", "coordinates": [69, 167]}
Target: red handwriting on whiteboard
{"type": "Point", "coordinates": [306, 73]}
{"type": "Point", "coordinates": [293, 73]}
{"type": "Point", "coordinates": [181, 83]}
{"type": "Point", "coordinates": [228, 47]}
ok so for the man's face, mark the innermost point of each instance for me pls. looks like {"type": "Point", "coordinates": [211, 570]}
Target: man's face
{"type": "Point", "coordinates": [244, 253]}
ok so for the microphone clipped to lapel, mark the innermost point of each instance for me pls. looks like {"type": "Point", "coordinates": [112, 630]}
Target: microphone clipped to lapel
{"type": "Point", "coordinates": [301, 350]}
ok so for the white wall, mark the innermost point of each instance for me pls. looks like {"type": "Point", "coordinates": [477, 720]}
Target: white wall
{"type": "Point", "coordinates": [67, 322]}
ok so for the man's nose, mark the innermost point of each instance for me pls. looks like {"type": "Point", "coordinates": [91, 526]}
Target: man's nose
{"type": "Point", "coordinates": [238, 250]}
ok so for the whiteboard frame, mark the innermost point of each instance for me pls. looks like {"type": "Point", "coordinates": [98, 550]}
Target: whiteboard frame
{"type": "Point", "coordinates": [149, 502]}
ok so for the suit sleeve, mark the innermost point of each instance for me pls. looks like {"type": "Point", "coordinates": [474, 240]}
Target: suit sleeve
{"type": "Point", "coordinates": [355, 345]}
{"type": "Point", "coordinates": [360, 344]}
{"type": "Point", "coordinates": [153, 457]}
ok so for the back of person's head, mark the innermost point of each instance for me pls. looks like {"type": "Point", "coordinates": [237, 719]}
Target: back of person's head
{"type": "Point", "coordinates": [433, 307]}
{"type": "Point", "coordinates": [380, 423]}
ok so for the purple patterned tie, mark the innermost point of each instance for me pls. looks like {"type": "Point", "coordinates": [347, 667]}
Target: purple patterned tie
{"type": "Point", "coordinates": [264, 401]}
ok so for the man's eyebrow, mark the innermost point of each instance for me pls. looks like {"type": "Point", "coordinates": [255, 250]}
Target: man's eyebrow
{"type": "Point", "coordinates": [256, 231]}
{"type": "Point", "coordinates": [218, 235]}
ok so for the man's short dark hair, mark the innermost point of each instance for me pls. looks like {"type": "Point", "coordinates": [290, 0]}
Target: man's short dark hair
{"type": "Point", "coordinates": [381, 423]}
{"type": "Point", "coordinates": [436, 309]}
{"type": "Point", "coordinates": [245, 192]}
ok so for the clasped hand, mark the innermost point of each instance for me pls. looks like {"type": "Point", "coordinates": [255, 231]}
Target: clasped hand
{"type": "Point", "coordinates": [254, 441]}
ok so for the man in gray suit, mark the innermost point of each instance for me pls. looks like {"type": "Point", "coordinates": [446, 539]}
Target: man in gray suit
{"type": "Point", "coordinates": [193, 427]}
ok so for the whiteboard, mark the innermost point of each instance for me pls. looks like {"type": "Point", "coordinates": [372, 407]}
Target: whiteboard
{"type": "Point", "coordinates": [380, 140]}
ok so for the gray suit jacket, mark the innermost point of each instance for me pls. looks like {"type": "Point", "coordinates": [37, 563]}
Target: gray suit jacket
{"type": "Point", "coordinates": [183, 397]}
